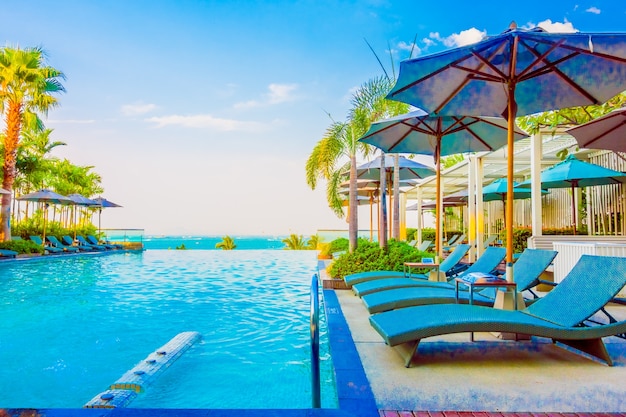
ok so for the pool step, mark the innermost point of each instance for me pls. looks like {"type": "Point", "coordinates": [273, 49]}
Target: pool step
{"type": "Point", "coordinates": [124, 390]}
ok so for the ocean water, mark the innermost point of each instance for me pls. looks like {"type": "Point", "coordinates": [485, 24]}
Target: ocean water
{"type": "Point", "coordinates": [209, 242]}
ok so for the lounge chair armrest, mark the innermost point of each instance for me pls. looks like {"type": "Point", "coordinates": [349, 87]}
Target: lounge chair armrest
{"type": "Point", "coordinates": [550, 283]}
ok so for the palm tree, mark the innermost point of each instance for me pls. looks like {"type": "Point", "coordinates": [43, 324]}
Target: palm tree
{"type": "Point", "coordinates": [341, 143]}
{"type": "Point", "coordinates": [295, 242]}
{"type": "Point", "coordinates": [227, 243]}
{"type": "Point", "coordinates": [26, 88]}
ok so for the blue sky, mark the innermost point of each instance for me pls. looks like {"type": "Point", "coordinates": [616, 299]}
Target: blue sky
{"type": "Point", "coordinates": [200, 115]}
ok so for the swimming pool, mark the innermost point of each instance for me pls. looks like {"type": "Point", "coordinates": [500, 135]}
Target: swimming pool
{"type": "Point", "coordinates": [72, 326]}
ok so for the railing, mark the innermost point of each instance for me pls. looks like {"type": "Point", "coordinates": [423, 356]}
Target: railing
{"type": "Point", "coordinates": [315, 343]}
{"type": "Point", "coordinates": [130, 238]}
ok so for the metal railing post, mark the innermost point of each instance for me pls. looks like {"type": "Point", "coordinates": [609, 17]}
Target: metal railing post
{"type": "Point", "coordinates": [315, 343]}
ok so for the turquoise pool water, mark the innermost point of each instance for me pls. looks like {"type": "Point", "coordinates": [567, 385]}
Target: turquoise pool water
{"type": "Point", "coordinates": [72, 326]}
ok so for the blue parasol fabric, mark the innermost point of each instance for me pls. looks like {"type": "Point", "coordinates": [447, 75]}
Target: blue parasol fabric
{"type": "Point", "coordinates": [516, 73]}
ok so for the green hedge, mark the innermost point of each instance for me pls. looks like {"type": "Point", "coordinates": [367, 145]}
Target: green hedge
{"type": "Point", "coordinates": [370, 257]}
{"type": "Point", "coordinates": [22, 246]}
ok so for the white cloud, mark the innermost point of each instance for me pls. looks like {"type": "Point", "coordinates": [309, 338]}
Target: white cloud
{"type": "Point", "coordinates": [206, 121]}
{"type": "Point", "coordinates": [465, 37]}
{"type": "Point", "coordinates": [137, 109]}
{"type": "Point", "coordinates": [277, 94]}
{"type": "Point", "coordinates": [557, 27]}
{"type": "Point", "coordinates": [410, 47]}
{"type": "Point", "coordinates": [593, 10]}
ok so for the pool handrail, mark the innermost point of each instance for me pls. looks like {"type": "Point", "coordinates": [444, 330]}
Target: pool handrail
{"type": "Point", "coordinates": [315, 343]}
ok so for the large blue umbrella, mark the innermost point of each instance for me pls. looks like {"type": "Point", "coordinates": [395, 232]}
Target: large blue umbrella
{"type": "Point", "coordinates": [606, 132]}
{"type": "Point", "coordinates": [80, 200]}
{"type": "Point", "coordinates": [47, 197]}
{"type": "Point", "coordinates": [408, 170]}
{"type": "Point", "coordinates": [417, 132]}
{"type": "Point", "coordinates": [573, 173]}
{"type": "Point", "coordinates": [516, 73]}
{"type": "Point", "coordinates": [101, 203]}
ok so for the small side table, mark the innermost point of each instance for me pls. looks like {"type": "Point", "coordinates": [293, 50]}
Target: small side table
{"type": "Point", "coordinates": [410, 265]}
{"type": "Point", "coordinates": [484, 281]}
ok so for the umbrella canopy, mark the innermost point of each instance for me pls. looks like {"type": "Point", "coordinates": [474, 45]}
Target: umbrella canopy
{"type": "Point", "coordinates": [516, 73]}
{"type": "Point", "coordinates": [572, 173]}
{"type": "Point", "coordinates": [80, 200]}
{"type": "Point", "coordinates": [497, 190]}
{"type": "Point", "coordinates": [47, 197]}
{"type": "Point", "coordinates": [606, 132]}
{"type": "Point", "coordinates": [409, 169]}
{"type": "Point", "coordinates": [101, 203]}
{"type": "Point", "coordinates": [417, 132]}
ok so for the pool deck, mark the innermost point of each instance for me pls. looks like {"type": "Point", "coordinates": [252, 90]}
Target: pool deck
{"type": "Point", "coordinates": [456, 377]}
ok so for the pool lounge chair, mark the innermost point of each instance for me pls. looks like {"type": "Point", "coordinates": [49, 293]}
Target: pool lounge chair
{"type": "Point", "coordinates": [6, 253]}
{"type": "Point", "coordinates": [424, 246]}
{"type": "Point", "coordinates": [93, 241]}
{"type": "Point", "coordinates": [526, 271]}
{"type": "Point", "coordinates": [67, 240]}
{"type": "Point", "coordinates": [455, 243]}
{"type": "Point", "coordinates": [84, 242]}
{"type": "Point", "coordinates": [49, 248]}
{"type": "Point", "coordinates": [561, 315]}
{"type": "Point", "coordinates": [491, 239]}
{"type": "Point", "coordinates": [489, 261]}
{"type": "Point", "coordinates": [57, 244]}
{"type": "Point", "coordinates": [448, 266]}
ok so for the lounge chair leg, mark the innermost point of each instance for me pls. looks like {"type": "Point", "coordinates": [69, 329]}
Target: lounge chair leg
{"type": "Point", "coordinates": [408, 352]}
{"type": "Point", "coordinates": [594, 347]}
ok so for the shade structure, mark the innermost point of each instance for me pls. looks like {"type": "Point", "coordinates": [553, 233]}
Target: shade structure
{"type": "Point", "coordinates": [80, 200]}
{"type": "Point", "coordinates": [572, 173]}
{"type": "Point", "coordinates": [101, 203]}
{"type": "Point", "coordinates": [408, 170]}
{"type": "Point", "coordinates": [606, 132]}
{"type": "Point", "coordinates": [47, 197]}
{"type": "Point", "coordinates": [516, 73]}
{"type": "Point", "coordinates": [3, 191]}
{"type": "Point", "coordinates": [417, 132]}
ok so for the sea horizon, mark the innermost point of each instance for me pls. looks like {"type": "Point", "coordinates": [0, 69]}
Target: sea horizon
{"type": "Point", "coordinates": [207, 242]}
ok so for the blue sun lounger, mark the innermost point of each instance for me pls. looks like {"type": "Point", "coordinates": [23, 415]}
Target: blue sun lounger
{"type": "Point", "coordinates": [84, 242]}
{"type": "Point", "coordinates": [57, 244]}
{"type": "Point", "coordinates": [526, 272]}
{"type": "Point", "coordinates": [93, 241]}
{"type": "Point", "coordinates": [67, 241]}
{"type": "Point", "coordinates": [489, 261]}
{"type": "Point", "coordinates": [562, 314]}
{"type": "Point", "coordinates": [7, 253]}
{"type": "Point", "coordinates": [49, 248]}
{"type": "Point", "coordinates": [447, 266]}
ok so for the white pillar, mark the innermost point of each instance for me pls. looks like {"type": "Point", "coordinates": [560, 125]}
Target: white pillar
{"type": "Point", "coordinates": [471, 207]}
{"type": "Point", "coordinates": [536, 151]}
{"type": "Point", "coordinates": [480, 208]}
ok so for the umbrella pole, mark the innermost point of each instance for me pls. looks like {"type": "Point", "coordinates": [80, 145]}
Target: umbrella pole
{"type": "Point", "coordinates": [45, 217]}
{"type": "Point", "coordinates": [371, 216]}
{"type": "Point", "coordinates": [574, 207]}
{"type": "Point", "coordinates": [508, 217]}
{"type": "Point", "coordinates": [438, 205]}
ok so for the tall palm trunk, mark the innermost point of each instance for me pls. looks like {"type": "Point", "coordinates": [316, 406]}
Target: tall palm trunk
{"type": "Point", "coordinates": [382, 227]}
{"type": "Point", "coordinates": [396, 197]}
{"type": "Point", "coordinates": [11, 141]}
{"type": "Point", "coordinates": [353, 208]}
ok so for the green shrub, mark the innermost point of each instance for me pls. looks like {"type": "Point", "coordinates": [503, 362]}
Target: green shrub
{"type": "Point", "coordinates": [340, 244]}
{"type": "Point", "coordinates": [22, 246]}
{"type": "Point", "coordinates": [370, 257]}
{"type": "Point", "coordinates": [34, 227]}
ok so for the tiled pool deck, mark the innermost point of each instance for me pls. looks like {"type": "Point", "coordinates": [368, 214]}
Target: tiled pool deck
{"type": "Point", "coordinates": [459, 378]}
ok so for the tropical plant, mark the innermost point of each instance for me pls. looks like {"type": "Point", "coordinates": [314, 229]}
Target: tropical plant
{"type": "Point", "coordinates": [27, 85]}
{"type": "Point", "coordinates": [568, 117]}
{"type": "Point", "coordinates": [227, 243]}
{"type": "Point", "coordinates": [313, 241]}
{"type": "Point", "coordinates": [336, 153]}
{"type": "Point", "coordinates": [295, 242]}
